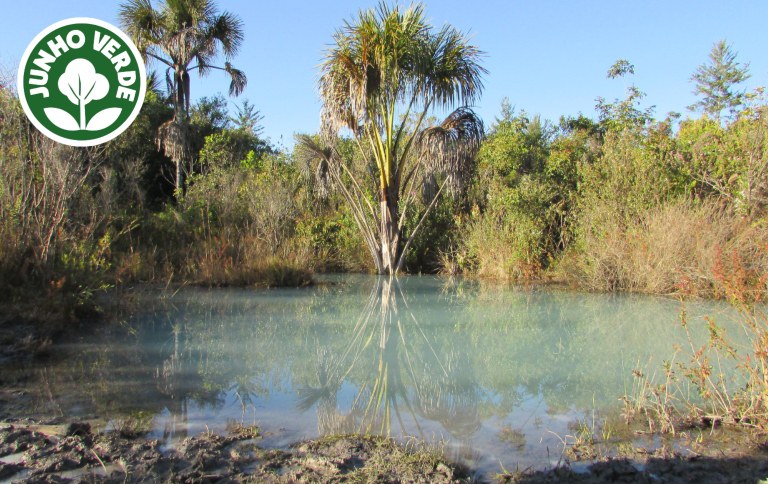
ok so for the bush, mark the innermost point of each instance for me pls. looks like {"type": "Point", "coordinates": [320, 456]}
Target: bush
{"type": "Point", "coordinates": [508, 240]}
{"type": "Point", "coordinates": [334, 240]}
{"type": "Point", "coordinates": [526, 191]}
{"type": "Point", "coordinates": [55, 234]}
{"type": "Point", "coordinates": [236, 225]}
{"type": "Point", "coordinates": [729, 162]}
{"type": "Point", "coordinates": [728, 375]}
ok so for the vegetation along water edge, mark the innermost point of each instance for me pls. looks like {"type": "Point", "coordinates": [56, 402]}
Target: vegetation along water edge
{"type": "Point", "coordinates": [402, 177]}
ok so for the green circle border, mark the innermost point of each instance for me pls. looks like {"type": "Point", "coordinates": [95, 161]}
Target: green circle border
{"type": "Point", "coordinates": [142, 77]}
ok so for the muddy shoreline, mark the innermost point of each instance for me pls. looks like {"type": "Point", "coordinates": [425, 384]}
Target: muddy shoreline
{"type": "Point", "coordinates": [75, 452]}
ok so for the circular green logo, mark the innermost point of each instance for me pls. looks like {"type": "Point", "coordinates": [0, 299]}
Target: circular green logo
{"type": "Point", "coordinates": [81, 81]}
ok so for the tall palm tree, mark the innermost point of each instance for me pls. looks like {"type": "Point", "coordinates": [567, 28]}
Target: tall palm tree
{"type": "Point", "coordinates": [384, 73]}
{"type": "Point", "coordinates": [184, 36]}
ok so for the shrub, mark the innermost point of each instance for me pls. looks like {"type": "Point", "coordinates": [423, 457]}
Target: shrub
{"type": "Point", "coordinates": [236, 225]}
{"type": "Point", "coordinates": [729, 375]}
{"type": "Point", "coordinates": [54, 232]}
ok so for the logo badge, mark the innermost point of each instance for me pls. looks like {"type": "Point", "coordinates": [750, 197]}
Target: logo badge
{"type": "Point", "coordinates": [82, 81]}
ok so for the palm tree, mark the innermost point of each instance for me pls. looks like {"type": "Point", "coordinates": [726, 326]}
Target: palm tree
{"type": "Point", "coordinates": [184, 36]}
{"type": "Point", "coordinates": [384, 74]}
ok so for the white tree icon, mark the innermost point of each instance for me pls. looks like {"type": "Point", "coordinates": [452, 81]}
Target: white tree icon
{"type": "Point", "coordinates": [82, 84]}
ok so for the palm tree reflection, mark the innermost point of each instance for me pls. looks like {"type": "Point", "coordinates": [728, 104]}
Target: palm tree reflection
{"type": "Point", "coordinates": [401, 376]}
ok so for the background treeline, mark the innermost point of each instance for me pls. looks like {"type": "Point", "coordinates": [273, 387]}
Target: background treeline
{"type": "Point", "coordinates": [626, 202]}
{"type": "Point", "coordinates": [621, 202]}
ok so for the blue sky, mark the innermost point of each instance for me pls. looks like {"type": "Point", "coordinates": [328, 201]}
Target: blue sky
{"type": "Point", "coordinates": [547, 57]}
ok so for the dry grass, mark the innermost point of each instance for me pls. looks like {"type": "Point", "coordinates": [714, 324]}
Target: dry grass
{"type": "Point", "coordinates": [497, 252]}
{"type": "Point", "coordinates": [247, 261]}
{"type": "Point", "coordinates": [675, 248]}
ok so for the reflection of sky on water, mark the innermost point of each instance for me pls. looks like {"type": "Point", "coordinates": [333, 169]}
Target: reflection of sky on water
{"type": "Point", "coordinates": [443, 361]}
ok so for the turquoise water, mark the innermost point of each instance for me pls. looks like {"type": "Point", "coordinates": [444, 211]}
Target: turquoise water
{"type": "Point", "coordinates": [498, 375]}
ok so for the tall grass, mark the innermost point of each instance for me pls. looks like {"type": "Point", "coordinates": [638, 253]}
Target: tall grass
{"type": "Point", "coordinates": [235, 226]}
{"type": "Point", "coordinates": [671, 248]}
{"type": "Point", "coordinates": [499, 249]}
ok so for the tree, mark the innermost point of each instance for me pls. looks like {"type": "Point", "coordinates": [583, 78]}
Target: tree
{"type": "Point", "coordinates": [248, 118]}
{"type": "Point", "coordinates": [716, 82]}
{"type": "Point", "coordinates": [209, 115]}
{"type": "Point", "coordinates": [143, 173]}
{"type": "Point", "coordinates": [625, 113]}
{"type": "Point", "coordinates": [385, 72]}
{"type": "Point", "coordinates": [184, 36]}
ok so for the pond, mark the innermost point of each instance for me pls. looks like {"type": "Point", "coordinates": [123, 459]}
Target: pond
{"type": "Point", "coordinates": [497, 374]}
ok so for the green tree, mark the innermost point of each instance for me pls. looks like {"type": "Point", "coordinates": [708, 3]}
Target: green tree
{"type": "Point", "coordinates": [248, 118]}
{"type": "Point", "coordinates": [623, 113]}
{"type": "Point", "coordinates": [209, 115]}
{"type": "Point", "coordinates": [231, 147]}
{"type": "Point", "coordinates": [140, 170]}
{"type": "Point", "coordinates": [716, 82]}
{"type": "Point", "coordinates": [527, 186]}
{"type": "Point", "coordinates": [385, 69]}
{"type": "Point", "coordinates": [185, 36]}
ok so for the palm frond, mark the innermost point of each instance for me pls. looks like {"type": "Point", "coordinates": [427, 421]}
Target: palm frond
{"type": "Point", "coordinates": [454, 74]}
{"type": "Point", "coordinates": [227, 29]}
{"type": "Point", "coordinates": [238, 79]}
{"type": "Point", "coordinates": [153, 83]}
{"type": "Point", "coordinates": [317, 161]}
{"type": "Point", "coordinates": [450, 147]}
{"type": "Point", "coordinates": [140, 21]}
{"type": "Point", "coordinates": [189, 13]}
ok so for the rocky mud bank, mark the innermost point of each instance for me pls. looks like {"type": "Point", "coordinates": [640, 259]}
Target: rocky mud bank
{"type": "Point", "coordinates": [75, 453]}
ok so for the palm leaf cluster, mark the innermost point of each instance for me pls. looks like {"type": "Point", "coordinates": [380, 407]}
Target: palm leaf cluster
{"type": "Point", "coordinates": [184, 36]}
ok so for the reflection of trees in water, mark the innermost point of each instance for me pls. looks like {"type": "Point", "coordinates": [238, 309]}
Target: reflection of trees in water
{"type": "Point", "coordinates": [372, 355]}
{"type": "Point", "coordinates": [399, 373]}
{"type": "Point", "coordinates": [198, 367]}
{"type": "Point", "coordinates": [127, 369]}
{"type": "Point", "coordinates": [446, 400]}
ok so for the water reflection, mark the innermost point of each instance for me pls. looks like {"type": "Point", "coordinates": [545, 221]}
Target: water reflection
{"type": "Point", "coordinates": [495, 372]}
{"type": "Point", "coordinates": [406, 374]}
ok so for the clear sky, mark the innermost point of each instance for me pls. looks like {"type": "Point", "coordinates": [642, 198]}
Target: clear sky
{"type": "Point", "coordinates": [547, 57]}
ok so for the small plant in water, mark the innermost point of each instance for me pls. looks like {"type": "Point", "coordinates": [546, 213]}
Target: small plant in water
{"type": "Point", "coordinates": [514, 437]}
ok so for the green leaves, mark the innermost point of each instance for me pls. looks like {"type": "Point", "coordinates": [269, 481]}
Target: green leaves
{"type": "Point", "coordinates": [186, 35]}
{"type": "Point", "coordinates": [386, 70]}
{"type": "Point", "coordinates": [622, 114]}
{"type": "Point", "coordinates": [716, 82]}
{"type": "Point", "coordinates": [390, 55]}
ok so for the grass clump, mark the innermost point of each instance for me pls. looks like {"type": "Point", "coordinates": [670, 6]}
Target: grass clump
{"type": "Point", "coordinates": [673, 248]}
{"type": "Point", "coordinates": [134, 425]}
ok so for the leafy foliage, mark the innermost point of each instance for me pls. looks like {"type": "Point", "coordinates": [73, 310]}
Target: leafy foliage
{"type": "Point", "coordinates": [184, 36]}
{"type": "Point", "coordinates": [716, 82]}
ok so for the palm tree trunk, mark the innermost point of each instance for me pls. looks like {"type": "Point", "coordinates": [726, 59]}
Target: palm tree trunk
{"type": "Point", "coordinates": [182, 117]}
{"type": "Point", "coordinates": [389, 232]}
